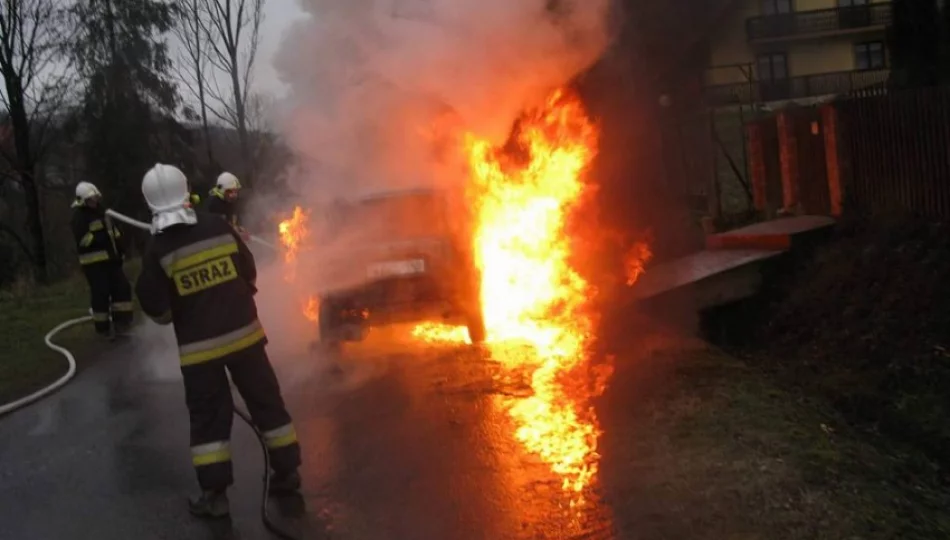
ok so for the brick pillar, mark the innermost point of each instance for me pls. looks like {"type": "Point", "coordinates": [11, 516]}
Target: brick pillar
{"type": "Point", "coordinates": [788, 158]}
{"type": "Point", "coordinates": [829, 120]}
{"type": "Point", "coordinates": [756, 153]}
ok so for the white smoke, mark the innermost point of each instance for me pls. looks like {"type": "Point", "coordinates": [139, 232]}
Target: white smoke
{"type": "Point", "coordinates": [377, 86]}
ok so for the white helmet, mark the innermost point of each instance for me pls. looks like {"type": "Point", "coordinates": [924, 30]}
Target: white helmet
{"type": "Point", "coordinates": [227, 181]}
{"type": "Point", "coordinates": [165, 189]}
{"type": "Point", "coordinates": [86, 191]}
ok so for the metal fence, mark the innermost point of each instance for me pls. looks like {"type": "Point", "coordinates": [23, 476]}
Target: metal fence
{"type": "Point", "coordinates": [894, 148]}
{"type": "Point", "coordinates": [823, 84]}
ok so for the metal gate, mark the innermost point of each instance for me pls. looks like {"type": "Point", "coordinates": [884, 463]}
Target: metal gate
{"type": "Point", "coordinates": [813, 194]}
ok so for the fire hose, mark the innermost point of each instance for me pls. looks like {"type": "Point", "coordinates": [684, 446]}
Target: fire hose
{"type": "Point", "coordinates": [147, 227]}
{"type": "Point", "coordinates": [22, 402]}
{"type": "Point", "coordinates": [71, 372]}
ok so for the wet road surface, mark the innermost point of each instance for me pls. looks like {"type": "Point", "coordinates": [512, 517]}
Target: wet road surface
{"type": "Point", "coordinates": [419, 443]}
{"type": "Point", "coordinates": [405, 444]}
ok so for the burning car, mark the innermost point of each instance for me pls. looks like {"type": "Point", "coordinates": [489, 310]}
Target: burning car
{"type": "Point", "coordinates": [396, 257]}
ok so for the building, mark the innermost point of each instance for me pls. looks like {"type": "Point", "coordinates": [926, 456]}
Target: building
{"type": "Point", "coordinates": [800, 50]}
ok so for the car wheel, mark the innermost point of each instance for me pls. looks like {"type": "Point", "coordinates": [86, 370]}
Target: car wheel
{"type": "Point", "coordinates": [476, 328]}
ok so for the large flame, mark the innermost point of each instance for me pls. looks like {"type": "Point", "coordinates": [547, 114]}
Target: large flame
{"type": "Point", "coordinates": [535, 303]}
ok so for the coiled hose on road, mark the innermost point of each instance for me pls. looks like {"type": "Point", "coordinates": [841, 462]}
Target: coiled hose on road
{"type": "Point", "coordinates": [71, 372]}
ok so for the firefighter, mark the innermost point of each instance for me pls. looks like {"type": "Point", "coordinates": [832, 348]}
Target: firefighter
{"type": "Point", "coordinates": [99, 244]}
{"type": "Point", "coordinates": [199, 275]}
{"type": "Point", "coordinates": [222, 200]}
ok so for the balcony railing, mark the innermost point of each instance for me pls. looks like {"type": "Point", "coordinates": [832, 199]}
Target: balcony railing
{"type": "Point", "coordinates": [820, 21]}
{"type": "Point", "coordinates": [842, 82]}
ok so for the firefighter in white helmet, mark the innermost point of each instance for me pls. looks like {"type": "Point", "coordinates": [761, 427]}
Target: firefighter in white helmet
{"type": "Point", "coordinates": [99, 245]}
{"type": "Point", "coordinates": [223, 201]}
{"type": "Point", "coordinates": [198, 274]}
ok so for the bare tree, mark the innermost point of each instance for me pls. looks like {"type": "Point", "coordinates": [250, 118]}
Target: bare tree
{"type": "Point", "coordinates": [31, 36]}
{"type": "Point", "coordinates": [193, 68]}
{"type": "Point", "coordinates": [262, 136]}
{"type": "Point", "coordinates": [233, 32]}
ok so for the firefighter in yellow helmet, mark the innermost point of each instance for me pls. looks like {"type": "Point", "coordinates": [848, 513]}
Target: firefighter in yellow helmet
{"type": "Point", "coordinates": [223, 198]}
{"type": "Point", "coordinates": [99, 245]}
{"type": "Point", "coordinates": [199, 275]}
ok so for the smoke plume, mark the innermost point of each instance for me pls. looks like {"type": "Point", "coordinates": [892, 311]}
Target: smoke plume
{"type": "Point", "coordinates": [379, 88]}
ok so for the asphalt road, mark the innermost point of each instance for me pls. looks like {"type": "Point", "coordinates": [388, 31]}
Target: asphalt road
{"type": "Point", "coordinates": [408, 442]}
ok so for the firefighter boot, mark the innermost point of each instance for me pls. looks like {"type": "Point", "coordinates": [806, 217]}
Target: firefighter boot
{"type": "Point", "coordinates": [284, 483]}
{"type": "Point", "coordinates": [210, 504]}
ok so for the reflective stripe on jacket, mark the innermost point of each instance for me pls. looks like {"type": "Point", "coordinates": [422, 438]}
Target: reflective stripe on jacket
{"type": "Point", "coordinates": [220, 205]}
{"type": "Point", "coordinates": [200, 277]}
{"type": "Point", "coordinates": [97, 239]}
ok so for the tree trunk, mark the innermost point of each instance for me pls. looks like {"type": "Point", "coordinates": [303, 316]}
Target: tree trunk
{"type": "Point", "coordinates": [204, 124]}
{"type": "Point", "coordinates": [24, 245]}
{"type": "Point", "coordinates": [24, 169]}
{"type": "Point", "coordinates": [241, 114]}
{"type": "Point", "coordinates": [202, 94]}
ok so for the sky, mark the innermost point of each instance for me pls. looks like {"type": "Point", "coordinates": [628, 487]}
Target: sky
{"type": "Point", "coordinates": [279, 15]}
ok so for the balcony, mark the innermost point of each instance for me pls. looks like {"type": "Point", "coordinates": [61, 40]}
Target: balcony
{"type": "Point", "coordinates": [819, 22]}
{"type": "Point", "coordinates": [825, 84]}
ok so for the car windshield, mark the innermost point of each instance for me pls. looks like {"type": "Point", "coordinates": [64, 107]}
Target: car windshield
{"type": "Point", "coordinates": [396, 217]}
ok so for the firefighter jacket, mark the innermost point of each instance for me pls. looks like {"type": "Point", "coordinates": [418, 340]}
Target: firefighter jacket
{"type": "Point", "coordinates": [194, 199]}
{"type": "Point", "coordinates": [201, 278]}
{"type": "Point", "coordinates": [218, 204]}
{"type": "Point", "coordinates": [97, 238]}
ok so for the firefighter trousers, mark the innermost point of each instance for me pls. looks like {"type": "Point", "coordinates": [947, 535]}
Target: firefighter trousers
{"type": "Point", "coordinates": [211, 410]}
{"type": "Point", "coordinates": [110, 295]}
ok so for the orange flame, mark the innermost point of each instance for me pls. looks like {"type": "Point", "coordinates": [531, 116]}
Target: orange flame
{"type": "Point", "coordinates": [635, 261]}
{"type": "Point", "coordinates": [535, 304]}
{"type": "Point", "coordinates": [311, 309]}
{"type": "Point", "coordinates": [294, 233]}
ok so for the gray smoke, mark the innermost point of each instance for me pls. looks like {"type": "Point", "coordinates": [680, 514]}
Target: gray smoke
{"type": "Point", "coordinates": [379, 88]}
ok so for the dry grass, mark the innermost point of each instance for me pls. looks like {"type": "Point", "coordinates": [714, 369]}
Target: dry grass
{"type": "Point", "coordinates": [706, 447]}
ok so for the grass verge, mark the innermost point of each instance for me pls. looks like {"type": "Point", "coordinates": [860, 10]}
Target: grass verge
{"type": "Point", "coordinates": [27, 313]}
{"type": "Point", "coordinates": [707, 446]}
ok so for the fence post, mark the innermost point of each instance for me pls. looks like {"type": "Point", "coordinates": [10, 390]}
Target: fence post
{"type": "Point", "coordinates": [829, 121]}
{"type": "Point", "coordinates": [713, 199]}
{"type": "Point", "coordinates": [757, 171]}
{"type": "Point", "coordinates": [788, 158]}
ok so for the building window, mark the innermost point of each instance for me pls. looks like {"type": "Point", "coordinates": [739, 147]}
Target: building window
{"type": "Point", "coordinates": [772, 67]}
{"type": "Point", "coordinates": [776, 7]}
{"type": "Point", "coordinates": [869, 55]}
{"type": "Point", "coordinates": [852, 3]}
